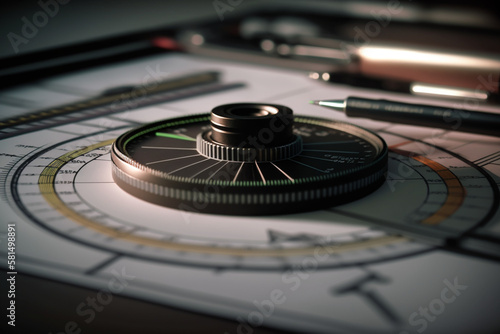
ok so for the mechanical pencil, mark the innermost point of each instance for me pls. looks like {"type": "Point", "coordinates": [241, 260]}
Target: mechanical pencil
{"type": "Point", "coordinates": [416, 114]}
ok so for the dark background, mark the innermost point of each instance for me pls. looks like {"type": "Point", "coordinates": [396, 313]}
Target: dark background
{"type": "Point", "coordinates": [86, 20]}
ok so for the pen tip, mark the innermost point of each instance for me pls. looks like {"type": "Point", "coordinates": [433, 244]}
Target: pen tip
{"type": "Point", "coordinates": [314, 102]}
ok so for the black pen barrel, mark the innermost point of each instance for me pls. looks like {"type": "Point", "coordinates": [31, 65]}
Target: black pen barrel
{"type": "Point", "coordinates": [424, 115]}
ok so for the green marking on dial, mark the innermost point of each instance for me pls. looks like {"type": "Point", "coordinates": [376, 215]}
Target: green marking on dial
{"type": "Point", "coordinates": [175, 136]}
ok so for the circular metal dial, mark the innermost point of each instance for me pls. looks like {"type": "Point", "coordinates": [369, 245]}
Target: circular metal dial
{"type": "Point", "coordinates": [163, 163]}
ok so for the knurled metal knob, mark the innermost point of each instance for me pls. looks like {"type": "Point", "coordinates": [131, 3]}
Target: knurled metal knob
{"type": "Point", "coordinates": [250, 132]}
{"type": "Point", "coordinates": [246, 154]}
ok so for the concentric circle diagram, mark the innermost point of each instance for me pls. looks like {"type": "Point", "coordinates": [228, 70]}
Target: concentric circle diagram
{"type": "Point", "coordinates": [62, 189]}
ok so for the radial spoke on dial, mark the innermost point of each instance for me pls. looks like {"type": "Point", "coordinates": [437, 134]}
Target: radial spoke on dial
{"type": "Point", "coordinates": [330, 143]}
{"type": "Point", "coordinates": [260, 172]}
{"type": "Point", "coordinates": [307, 156]}
{"type": "Point", "coordinates": [238, 172]}
{"type": "Point", "coordinates": [282, 172]}
{"type": "Point", "coordinates": [168, 148]}
{"type": "Point", "coordinates": [218, 170]}
{"type": "Point", "coordinates": [187, 166]}
{"type": "Point", "coordinates": [205, 169]}
{"type": "Point", "coordinates": [306, 165]}
{"type": "Point", "coordinates": [172, 159]}
{"type": "Point", "coordinates": [331, 151]}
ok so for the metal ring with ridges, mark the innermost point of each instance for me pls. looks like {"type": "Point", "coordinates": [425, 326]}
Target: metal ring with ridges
{"type": "Point", "coordinates": [218, 151]}
{"type": "Point", "coordinates": [248, 132]}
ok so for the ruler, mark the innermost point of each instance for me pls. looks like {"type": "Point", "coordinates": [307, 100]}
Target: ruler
{"type": "Point", "coordinates": [116, 100]}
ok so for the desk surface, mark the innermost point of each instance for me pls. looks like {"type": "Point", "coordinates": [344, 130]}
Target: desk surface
{"type": "Point", "coordinates": [425, 241]}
